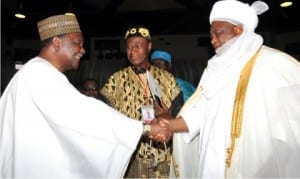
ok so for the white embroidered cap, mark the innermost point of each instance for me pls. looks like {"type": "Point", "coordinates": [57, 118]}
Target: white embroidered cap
{"type": "Point", "coordinates": [237, 12]}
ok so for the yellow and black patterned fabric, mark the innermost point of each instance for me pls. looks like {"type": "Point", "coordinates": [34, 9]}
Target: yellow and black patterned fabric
{"type": "Point", "coordinates": [126, 93]}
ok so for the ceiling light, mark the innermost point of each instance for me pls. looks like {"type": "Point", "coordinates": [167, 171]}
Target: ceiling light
{"type": "Point", "coordinates": [19, 12]}
{"type": "Point", "coordinates": [20, 15]}
{"type": "Point", "coordinates": [286, 3]}
{"type": "Point", "coordinates": [70, 11]}
{"type": "Point", "coordinates": [69, 14]}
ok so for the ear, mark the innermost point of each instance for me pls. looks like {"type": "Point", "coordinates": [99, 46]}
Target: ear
{"type": "Point", "coordinates": [238, 29]}
{"type": "Point", "coordinates": [149, 46]}
{"type": "Point", "coordinates": [56, 42]}
{"type": "Point", "coordinates": [169, 65]}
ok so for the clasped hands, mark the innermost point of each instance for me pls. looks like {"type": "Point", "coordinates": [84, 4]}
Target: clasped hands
{"type": "Point", "coordinates": [160, 126]}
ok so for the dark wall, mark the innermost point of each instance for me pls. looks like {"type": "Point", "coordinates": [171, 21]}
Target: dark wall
{"type": "Point", "coordinates": [187, 69]}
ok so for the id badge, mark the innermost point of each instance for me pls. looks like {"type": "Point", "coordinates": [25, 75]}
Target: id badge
{"type": "Point", "coordinates": [148, 113]}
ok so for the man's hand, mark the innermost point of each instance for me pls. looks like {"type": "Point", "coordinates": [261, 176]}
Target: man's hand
{"type": "Point", "coordinates": [160, 131]}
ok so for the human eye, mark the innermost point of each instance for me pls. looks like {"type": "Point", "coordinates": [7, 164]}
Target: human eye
{"type": "Point", "coordinates": [138, 46]}
{"type": "Point", "coordinates": [77, 42]}
{"type": "Point", "coordinates": [219, 32]}
{"type": "Point", "coordinates": [129, 47]}
{"type": "Point", "coordinates": [135, 46]}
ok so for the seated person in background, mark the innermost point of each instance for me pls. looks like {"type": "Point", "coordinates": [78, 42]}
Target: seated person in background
{"type": "Point", "coordinates": [90, 88]}
{"type": "Point", "coordinates": [162, 59]}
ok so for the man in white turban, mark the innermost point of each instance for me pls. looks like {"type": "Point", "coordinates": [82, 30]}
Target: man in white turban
{"type": "Point", "coordinates": [245, 114]}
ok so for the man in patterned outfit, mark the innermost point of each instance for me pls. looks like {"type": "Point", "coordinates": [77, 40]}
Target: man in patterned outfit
{"type": "Point", "coordinates": [128, 91]}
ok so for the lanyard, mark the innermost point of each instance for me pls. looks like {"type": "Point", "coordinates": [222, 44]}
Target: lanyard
{"type": "Point", "coordinates": [144, 83]}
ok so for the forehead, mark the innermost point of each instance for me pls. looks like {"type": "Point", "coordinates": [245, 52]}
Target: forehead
{"type": "Point", "coordinates": [136, 39]}
{"type": "Point", "coordinates": [75, 36]}
{"type": "Point", "coordinates": [220, 25]}
{"type": "Point", "coordinates": [89, 83]}
{"type": "Point", "coordinates": [159, 60]}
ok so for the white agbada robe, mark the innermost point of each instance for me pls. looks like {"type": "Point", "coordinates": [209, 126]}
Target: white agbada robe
{"type": "Point", "coordinates": [269, 145]}
{"type": "Point", "coordinates": [50, 130]}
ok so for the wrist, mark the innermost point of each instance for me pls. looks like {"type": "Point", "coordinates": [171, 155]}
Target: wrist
{"type": "Point", "coordinates": [146, 129]}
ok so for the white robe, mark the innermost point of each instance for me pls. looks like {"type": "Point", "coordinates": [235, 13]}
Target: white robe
{"type": "Point", "coordinates": [50, 130]}
{"type": "Point", "coordinates": [269, 145]}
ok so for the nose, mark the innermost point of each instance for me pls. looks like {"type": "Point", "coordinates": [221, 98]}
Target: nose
{"type": "Point", "coordinates": [82, 50]}
{"type": "Point", "coordinates": [214, 42]}
{"type": "Point", "coordinates": [130, 51]}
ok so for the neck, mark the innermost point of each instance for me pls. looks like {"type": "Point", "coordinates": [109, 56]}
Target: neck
{"type": "Point", "coordinates": [145, 65]}
{"type": "Point", "coordinates": [139, 69]}
{"type": "Point", "coordinates": [48, 57]}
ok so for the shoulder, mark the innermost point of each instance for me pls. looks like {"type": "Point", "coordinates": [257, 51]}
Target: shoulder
{"type": "Point", "coordinates": [184, 83]}
{"type": "Point", "coordinates": [36, 62]}
{"type": "Point", "coordinates": [277, 56]}
{"type": "Point", "coordinates": [166, 81]}
{"type": "Point", "coordinates": [39, 66]}
{"type": "Point", "coordinates": [122, 72]}
{"type": "Point", "coordinates": [160, 73]}
{"type": "Point", "coordinates": [273, 63]}
{"type": "Point", "coordinates": [276, 59]}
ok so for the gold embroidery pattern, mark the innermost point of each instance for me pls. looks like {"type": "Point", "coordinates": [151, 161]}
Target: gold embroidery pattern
{"type": "Point", "coordinates": [238, 109]}
{"type": "Point", "coordinates": [154, 156]}
{"type": "Point", "coordinates": [126, 94]}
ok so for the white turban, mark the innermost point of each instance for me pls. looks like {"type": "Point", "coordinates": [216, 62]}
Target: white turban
{"type": "Point", "coordinates": [237, 12]}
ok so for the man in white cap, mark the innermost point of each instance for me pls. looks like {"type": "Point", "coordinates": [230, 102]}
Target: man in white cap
{"type": "Point", "coordinates": [48, 129]}
{"type": "Point", "coordinates": [246, 110]}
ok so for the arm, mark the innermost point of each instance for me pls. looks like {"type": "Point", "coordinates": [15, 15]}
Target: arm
{"type": "Point", "coordinates": [163, 109]}
{"type": "Point", "coordinates": [178, 125]}
{"type": "Point", "coordinates": [177, 103]}
{"type": "Point", "coordinates": [165, 119]}
{"type": "Point", "coordinates": [174, 124]}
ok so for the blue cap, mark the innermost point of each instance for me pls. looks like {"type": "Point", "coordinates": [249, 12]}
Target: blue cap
{"type": "Point", "coordinates": [162, 55]}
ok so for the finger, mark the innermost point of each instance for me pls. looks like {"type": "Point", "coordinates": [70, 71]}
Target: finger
{"type": "Point", "coordinates": [163, 122]}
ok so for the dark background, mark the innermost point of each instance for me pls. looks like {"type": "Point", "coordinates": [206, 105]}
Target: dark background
{"type": "Point", "coordinates": [112, 17]}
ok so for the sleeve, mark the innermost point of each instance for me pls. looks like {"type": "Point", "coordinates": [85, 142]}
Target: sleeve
{"type": "Point", "coordinates": [177, 104]}
{"type": "Point", "coordinates": [103, 99]}
{"type": "Point", "coordinates": [63, 105]}
{"type": "Point", "coordinates": [108, 90]}
{"type": "Point", "coordinates": [90, 137]}
{"type": "Point", "coordinates": [172, 90]}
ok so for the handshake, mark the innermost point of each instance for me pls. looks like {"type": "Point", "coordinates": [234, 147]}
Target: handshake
{"type": "Point", "coordinates": [159, 130]}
